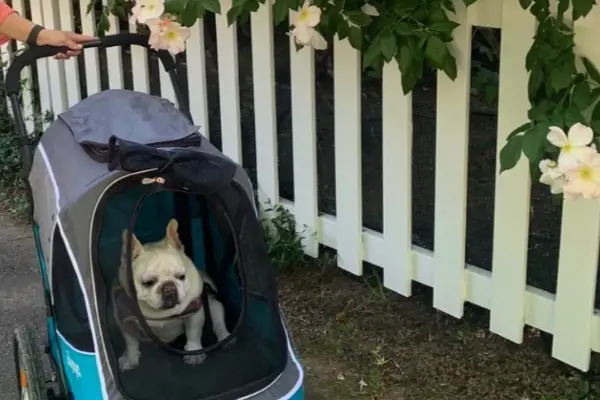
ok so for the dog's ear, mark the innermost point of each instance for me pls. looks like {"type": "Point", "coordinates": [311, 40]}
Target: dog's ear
{"type": "Point", "coordinates": [136, 246]}
{"type": "Point", "coordinates": [172, 236]}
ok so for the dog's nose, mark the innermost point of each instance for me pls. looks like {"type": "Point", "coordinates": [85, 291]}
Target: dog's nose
{"type": "Point", "coordinates": [169, 295]}
{"type": "Point", "coordinates": [169, 289]}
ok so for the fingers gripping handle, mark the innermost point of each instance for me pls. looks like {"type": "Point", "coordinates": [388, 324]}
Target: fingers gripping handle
{"type": "Point", "coordinates": [32, 54]}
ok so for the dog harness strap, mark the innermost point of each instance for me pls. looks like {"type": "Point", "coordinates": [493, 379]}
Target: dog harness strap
{"type": "Point", "coordinates": [124, 306]}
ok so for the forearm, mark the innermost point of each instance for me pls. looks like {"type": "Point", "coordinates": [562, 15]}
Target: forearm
{"type": "Point", "coordinates": [15, 26]}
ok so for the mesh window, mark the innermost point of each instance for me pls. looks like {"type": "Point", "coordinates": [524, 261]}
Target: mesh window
{"type": "Point", "coordinates": [259, 353]}
{"type": "Point", "coordinates": [69, 304]}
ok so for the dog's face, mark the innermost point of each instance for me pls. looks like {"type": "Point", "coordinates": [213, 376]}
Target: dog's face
{"type": "Point", "coordinates": [160, 270]}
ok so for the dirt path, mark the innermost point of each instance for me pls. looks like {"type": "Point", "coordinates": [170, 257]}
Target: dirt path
{"type": "Point", "coordinates": [358, 340]}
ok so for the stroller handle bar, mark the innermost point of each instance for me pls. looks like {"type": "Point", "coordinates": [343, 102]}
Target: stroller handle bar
{"type": "Point", "coordinates": [32, 54]}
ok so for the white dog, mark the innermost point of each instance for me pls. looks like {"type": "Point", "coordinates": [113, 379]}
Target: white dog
{"type": "Point", "coordinates": [169, 292]}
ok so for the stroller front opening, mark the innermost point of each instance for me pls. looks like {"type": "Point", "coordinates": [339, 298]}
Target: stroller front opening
{"type": "Point", "coordinates": [259, 352]}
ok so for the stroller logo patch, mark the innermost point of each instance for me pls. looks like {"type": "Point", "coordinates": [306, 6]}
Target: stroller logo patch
{"type": "Point", "coordinates": [73, 366]}
{"type": "Point", "coordinates": [147, 181]}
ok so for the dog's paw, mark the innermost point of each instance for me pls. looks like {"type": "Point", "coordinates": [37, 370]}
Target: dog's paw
{"type": "Point", "coordinates": [127, 361]}
{"type": "Point", "coordinates": [195, 359]}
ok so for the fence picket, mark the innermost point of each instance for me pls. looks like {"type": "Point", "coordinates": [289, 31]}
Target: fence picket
{"type": "Point", "coordinates": [452, 134]}
{"type": "Point", "coordinates": [56, 69]}
{"type": "Point", "coordinates": [139, 66]}
{"type": "Point", "coordinates": [304, 143]}
{"type": "Point", "coordinates": [348, 177]}
{"type": "Point", "coordinates": [578, 256]}
{"type": "Point", "coordinates": [196, 62]}
{"type": "Point", "coordinates": [91, 61]}
{"type": "Point", "coordinates": [6, 55]}
{"type": "Point", "coordinates": [71, 71]}
{"type": "Point", "coordinates": [26, 76]}
{"type": "Point", "coordinates": [114, 59]}
{"type": "Point", "coordinates": [575, 290]}
{"type": "Point", "coordinates": [166, 86]}
{"type": "Point", "coordinates": [263, 70]}
{"type": "Point", "coordinates": [229, 91]}
{"type": "Point", "coordinates": [511, 204]}
{"type": "Point", "coordinates": [43, 71]}
{"type": "Point", "coordinates": [397, 182]}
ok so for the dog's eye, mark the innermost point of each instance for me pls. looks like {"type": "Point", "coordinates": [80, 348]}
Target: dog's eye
{"type": "Point", "coordinates": [149, 283]}
{"type": "Point", "coordinates": [180, 277]}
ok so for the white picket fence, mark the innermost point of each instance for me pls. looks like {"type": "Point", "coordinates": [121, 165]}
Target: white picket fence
{"type": "Point", "coordinates": [569, 315]}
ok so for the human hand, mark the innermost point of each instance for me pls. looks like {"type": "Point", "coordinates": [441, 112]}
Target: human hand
{"type": "Point", "coordinates": [72, 40]}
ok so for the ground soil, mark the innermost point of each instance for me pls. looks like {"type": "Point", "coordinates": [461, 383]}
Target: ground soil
{"type": "Point", "coordinates": [358, 340]}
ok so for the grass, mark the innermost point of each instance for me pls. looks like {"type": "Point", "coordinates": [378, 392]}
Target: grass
{"type": "Point", "coordinates": [358, 340]}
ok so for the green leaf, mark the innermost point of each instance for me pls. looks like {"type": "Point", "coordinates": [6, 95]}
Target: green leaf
{"type": "Point", "coordinates": [358, 18]}
{"type": "Point", "coordinates": [189, 16]}
{"type": "Point", "coordinates": [581, 8]}
{"type": "Point", "coordinates": [595, 125]}
{"type": "Point", "coordinates": [449, 5]}
{"type": "Point", "coordinates": [404, 29]}
{"type": "Point", "coordinates": [449, 66]}
{"type": "Point", "coordinates": [596, 113]}
{"type": "Point", "coordinates": [445, 27]}
{"type": "Point", "coordinates": [563, 6]}
{"type": "Point", "coordinates": [511, 153]}
{"type": "Point", "coordinates": [469, 2]}
{"type": "Point", "coordinates": [536, 80]}
{"type": "Point", "coordinates": [436, 51]}
{"type": "Point", "coordinates": [355, 37]}
{"type": "Point", "coordinates": [591, 70]}
{"type": "Point", "coordinates": [388, 45]}
{"type": "Point", "coordinates": [343, 30]}
{"type": "Point", "coordinates": [175, 6]}
{"type": "Point", "coordinates": [520, 129]}
{"type": "Point", "coordinates": [281, 10]}
{"type": "Point", "coordinates": [211, 5]}
{"type": "Point", "coordinates": [371, 55]}
{"type": "Point", "coordinates": [404, 59]}
{"type": "Point", "coordinates": [525, 3]}
{"type": "Point", "coordinates": [533, 144]}
{"type": "Point", "coordinates": [582, 97]}
{"type": "Point", "coordinates": [234, 13]}
{"type": "Point", "coordinates": [560, 78]}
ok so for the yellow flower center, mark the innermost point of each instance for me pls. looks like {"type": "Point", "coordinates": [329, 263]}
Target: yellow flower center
{"type": "Point", "coordinates": [586, 173]}
{"type": "Point", "coordinates": [303, 15]}
{"type": "Point", "coordinates": [567, 148]}
{"type": "Point", "coordinates": [171, 35]}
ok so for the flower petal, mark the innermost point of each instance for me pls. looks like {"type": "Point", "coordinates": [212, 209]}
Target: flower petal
{"type": "Point", "coordinates": [580, 135]}
{"type": "Point", "coordinates": [370, 10]}
{"type": "Point", "coordinates": [557, 137]}
{"type": "Point", "coordinates": [314, 16]}
{"type": "Point", "coordinates": [303, 34]}
{"type": "Point", "coordinates": [317, 41]}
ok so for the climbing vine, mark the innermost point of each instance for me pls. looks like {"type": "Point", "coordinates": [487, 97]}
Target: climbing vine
{"type": "Point", "coordinates": [417, 33]}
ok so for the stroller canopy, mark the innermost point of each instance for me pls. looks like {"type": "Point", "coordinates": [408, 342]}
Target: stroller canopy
{"type": "Point", "coordinates": [127, 160]}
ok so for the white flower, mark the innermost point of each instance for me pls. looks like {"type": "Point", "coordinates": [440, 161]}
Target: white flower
{"type": "Point", "coordinates": [370, 10]}
{"type": "Point", "coordinates": [584, 180]}
{"type": "Point", "coordinates": [307, 16]}
{"type": "Point", "coordinates": [572, 146]}
{"type": "Point", "coordinates": [167, 35]}
{"type": "Point", "coordinates": [309, 36]}
{"type": "Point", "coordinates": [145, 10]}
{"type": "Point", "coordinates": [552, 176]}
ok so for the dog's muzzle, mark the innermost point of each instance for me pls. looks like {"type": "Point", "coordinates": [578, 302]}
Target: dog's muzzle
{"type": "Point", "coordinates": [169, 295]}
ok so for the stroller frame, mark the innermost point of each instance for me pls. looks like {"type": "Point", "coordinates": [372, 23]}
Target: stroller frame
{"type": "Point", "coordinates": [31, 381]}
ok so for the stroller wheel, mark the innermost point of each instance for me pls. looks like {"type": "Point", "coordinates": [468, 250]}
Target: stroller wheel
{"type": "Point", "coordinates": [28, 365]}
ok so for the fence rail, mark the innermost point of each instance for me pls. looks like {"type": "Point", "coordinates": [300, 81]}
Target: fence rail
{"type": "Point", "coordinates": [569, 314]}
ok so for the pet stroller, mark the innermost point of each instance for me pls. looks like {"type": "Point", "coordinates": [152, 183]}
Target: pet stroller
{"type": "Point", "coordinates": [126, 160]}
